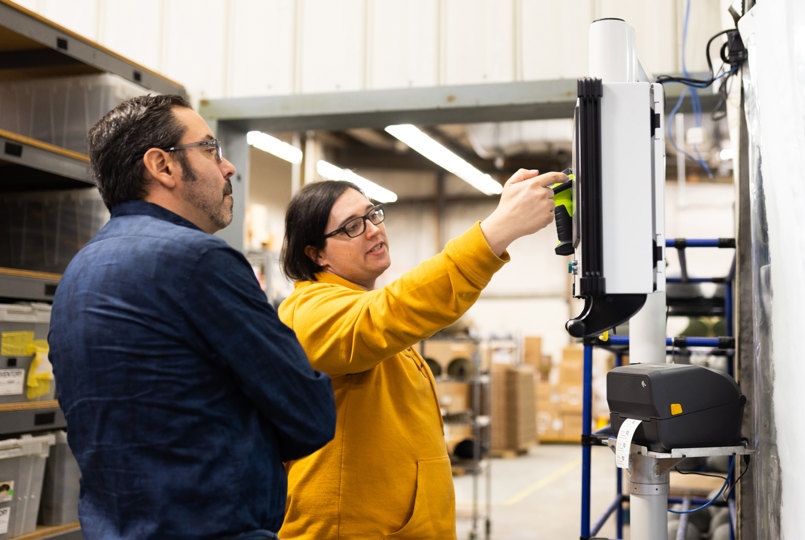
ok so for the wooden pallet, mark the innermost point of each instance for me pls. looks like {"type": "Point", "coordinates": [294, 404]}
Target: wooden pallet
{"type": "Point", "coordinates": [508, 453]}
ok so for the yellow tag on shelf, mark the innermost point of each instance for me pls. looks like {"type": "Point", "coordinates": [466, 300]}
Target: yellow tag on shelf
{"type": "Point", "coordinates": [41, 371]}
{"type": "Point", "coordinates": [16, 343]}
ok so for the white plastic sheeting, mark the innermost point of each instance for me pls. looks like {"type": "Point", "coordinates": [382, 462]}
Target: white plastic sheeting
{"type": "Point", "coordinates": [774, 33]}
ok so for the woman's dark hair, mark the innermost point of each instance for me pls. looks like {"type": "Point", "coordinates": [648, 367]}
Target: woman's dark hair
{"type": "Point", "coordinates": [119, 140]}
{"type": "Point", "coordinates": [305, 221]}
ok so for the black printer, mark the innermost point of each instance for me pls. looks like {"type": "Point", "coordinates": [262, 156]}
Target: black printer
{"type": "Point", "coordinates": [680, 405]}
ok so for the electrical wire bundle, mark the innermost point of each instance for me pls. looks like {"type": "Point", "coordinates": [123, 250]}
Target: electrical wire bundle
{"type": "Point", "coordinates": [733, 55]}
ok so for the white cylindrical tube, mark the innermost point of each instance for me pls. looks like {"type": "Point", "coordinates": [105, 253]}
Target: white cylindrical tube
{"type": "Point", "coordinates": [612, 51]}
{"type": "Point", "coordinates": [647, 331]}
{"type": "Point", "coordinates": [648, 499]}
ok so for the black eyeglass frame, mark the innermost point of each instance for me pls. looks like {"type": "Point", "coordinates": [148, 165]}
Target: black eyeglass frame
{"type": "Point", "coordinates": [214, 143]}
{"type": "Point", "coordinates": [377, 210]}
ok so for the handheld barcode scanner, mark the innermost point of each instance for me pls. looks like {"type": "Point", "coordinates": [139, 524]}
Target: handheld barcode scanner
{"type": "Point", "coordinates": [563, 214]}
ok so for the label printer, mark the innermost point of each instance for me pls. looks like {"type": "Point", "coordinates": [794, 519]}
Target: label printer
{"type": "Point", "coordinates": [678, 405]}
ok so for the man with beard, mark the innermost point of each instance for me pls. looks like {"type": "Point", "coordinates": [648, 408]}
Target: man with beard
{"type": "Point", "coordinates": [182, 390]}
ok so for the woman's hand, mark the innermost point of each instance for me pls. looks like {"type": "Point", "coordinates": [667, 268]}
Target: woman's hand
{"type": "Point", "coordinates": [526, 206]}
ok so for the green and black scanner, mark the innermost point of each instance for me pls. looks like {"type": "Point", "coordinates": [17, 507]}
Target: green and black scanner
{"type": "Point", "coordinates": [679, 405]}
{"type": "Point", "coordinates": [563, 214]}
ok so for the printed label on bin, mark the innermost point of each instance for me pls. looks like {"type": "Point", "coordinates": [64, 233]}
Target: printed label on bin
{"type": "Point", "coordinates": [5, 514]}
{"type": "Point", "coordinates": [6, 491]}
{"type": "Point", "coordinates": [11, 381]}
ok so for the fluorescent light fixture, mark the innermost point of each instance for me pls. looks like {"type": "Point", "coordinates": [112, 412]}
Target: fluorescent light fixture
{"type": "Point", "coordinates": [370, 189]}
{"type": "Point", "coordinates": [428, 147]}
{"type": "Point", "coordinates": [272, 145]}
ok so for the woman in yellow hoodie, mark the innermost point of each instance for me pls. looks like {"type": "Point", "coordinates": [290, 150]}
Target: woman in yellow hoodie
{"type": "Point", "coordinates": [386, 474]}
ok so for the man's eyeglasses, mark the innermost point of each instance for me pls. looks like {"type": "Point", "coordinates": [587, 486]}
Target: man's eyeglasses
{"type": "Point", "coordinates": [356, 226]}
{"type": "Point", "coordinates": [209, 143]}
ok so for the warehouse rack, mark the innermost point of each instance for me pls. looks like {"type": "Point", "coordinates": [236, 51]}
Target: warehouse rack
{"type": "Point", "coordinates": [34, 48]}
{"type": "Point", "coordinates": [468, 371]}
{"type": "Point", "coordinates": [37, 418]}
{"type": "Point", "coordinates": [618, 345]}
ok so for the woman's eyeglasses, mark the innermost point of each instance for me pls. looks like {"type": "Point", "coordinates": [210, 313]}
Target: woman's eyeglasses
{"type": "Point", "coordinates": [356, 226]}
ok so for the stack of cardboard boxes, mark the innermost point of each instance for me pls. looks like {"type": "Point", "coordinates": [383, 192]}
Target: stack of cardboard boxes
{"type": "Point", "coordinates": [513, 408]}
{"type": "Point", "coordinates": [559, 396]}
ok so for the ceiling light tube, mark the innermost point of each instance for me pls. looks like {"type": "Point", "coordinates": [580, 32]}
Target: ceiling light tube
{"type": "Point", "coordinates": [428, 147]}
{"type": "Point", "coordinates": [272, 145]}
{"type": "Point", "coordinates": [370, 189]}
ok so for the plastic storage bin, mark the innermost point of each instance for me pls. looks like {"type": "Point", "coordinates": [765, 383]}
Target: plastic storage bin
{"type": "Point", "coordinates": [14, 368]}
{"type": "Point", "coordinates": [61, 485]}
{"type": "Point", "coordinates": [22, 468]}
{"type": "Point", "coordinates": [60, 110]}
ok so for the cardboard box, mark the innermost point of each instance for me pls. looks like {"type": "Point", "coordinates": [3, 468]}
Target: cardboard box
{"type": "Point", "coordinates": [571, 398]}
{"type": "Point", "coordinates": [454, 396]}
{"type": "Point", "coordinates": [513, 418]}
{"type": "Point", "coordinates": [571, 367]}
{"type": "Point", "coordinates": [498, 353]}
{"type": "Point", "coordinates": [455, 357]}
{"type": "Point", "coordinates": [549, 426]}
{"type": "Point", "coordinates": [545, 367]}
{"type": "Point", "coordinates": [455, 433]}
{"type": "Point", "coordinates": [532, 351]}
{"type": "Point", "coordinates": [548, 394]}
{"type": "Point", "coordinates": [571, 426]}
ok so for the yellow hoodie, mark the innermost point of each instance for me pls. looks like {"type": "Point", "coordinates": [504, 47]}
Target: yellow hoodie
{"type": "Point", "coordinates": [386, 474]}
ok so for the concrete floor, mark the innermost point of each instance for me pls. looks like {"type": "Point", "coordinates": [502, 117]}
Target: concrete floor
{"type": "Point", "coordinates": [538, 495]}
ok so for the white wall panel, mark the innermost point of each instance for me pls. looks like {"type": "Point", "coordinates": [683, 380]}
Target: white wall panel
{"type": "Point", "coordinates": [411, 233]}
{"type": "Point", "coordinates": [331, 45]}
{"type": "Point", "coordinates": [402, 44]}
{"type": "Point", "coordinates": [33, 5]}
{"type": "Point", "coordinates": [80, 16]}
{"type": "Point", "coordinates": [235, 48]}
{"type": "Point", "coordinates": [659, 27]}
{"type": "Point", "coordinates": [134, 30]}
{"type": "Point", "coordinates": [195, 45]}
{"type": "Point", "coordinates": [553, 38]}
{"type": "Point", "coordinates": [706, 19]}
{"type": "Point", "coordinates": [262, 51]}
{"type": "Point", "coordinates": [479, 41]}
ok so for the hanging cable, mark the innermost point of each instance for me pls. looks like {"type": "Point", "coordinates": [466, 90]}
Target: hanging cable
{"type": "Point", "coordinates": [714, 499]}
{"type": "Point", "coordinates": [733, 54]}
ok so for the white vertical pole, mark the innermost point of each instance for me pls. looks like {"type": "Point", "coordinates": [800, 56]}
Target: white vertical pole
{"type": "Point", "coordinates": [613, 59]}
{"type": "Point", "coordinates": [647, 331]}
{"type": "Point", "coordinates": [648, 499]}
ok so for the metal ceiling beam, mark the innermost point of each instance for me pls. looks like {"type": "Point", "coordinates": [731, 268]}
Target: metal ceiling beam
{"type": "Point", "coordinates": [459, 104]}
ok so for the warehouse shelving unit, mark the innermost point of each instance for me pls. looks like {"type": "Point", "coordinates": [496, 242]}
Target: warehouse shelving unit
{"type": "Point", "coordinates": [619, 345]}
{"type": "Point", "coordinates": [469, 374]}
{"type": "Point", "coordinates": [32, 47]}
{"type": "Point", "coordinates": [33, 417]}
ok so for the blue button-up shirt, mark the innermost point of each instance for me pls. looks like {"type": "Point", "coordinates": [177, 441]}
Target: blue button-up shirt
{"type": "Point", "coordinates": [183, 391]}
